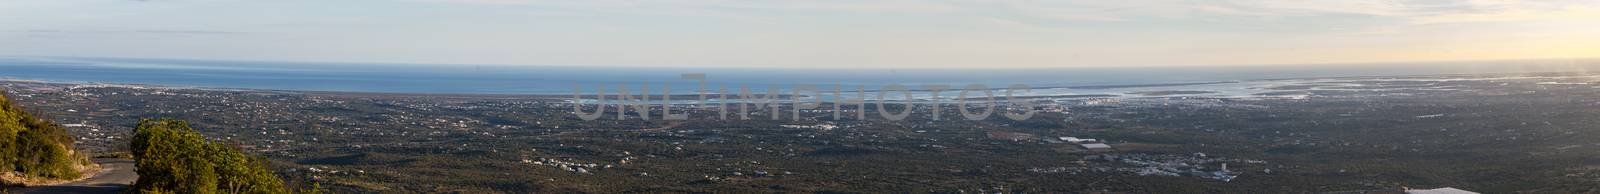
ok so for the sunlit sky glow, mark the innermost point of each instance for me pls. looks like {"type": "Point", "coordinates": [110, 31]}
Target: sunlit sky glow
{"type": "Point", "coordinates": [783, 33]}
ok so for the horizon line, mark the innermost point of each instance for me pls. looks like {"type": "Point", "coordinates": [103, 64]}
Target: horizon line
{"type": "Point", "coordinates": [1573, 59]}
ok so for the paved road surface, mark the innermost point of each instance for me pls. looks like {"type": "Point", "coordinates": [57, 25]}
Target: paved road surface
{"type": "Point", "coordinates": [115, 176]}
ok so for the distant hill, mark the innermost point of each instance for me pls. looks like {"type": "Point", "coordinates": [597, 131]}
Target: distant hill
{"type": "Point", "coordinates": [34, 150]}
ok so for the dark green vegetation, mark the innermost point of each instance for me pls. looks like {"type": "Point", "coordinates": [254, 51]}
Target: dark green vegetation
{"type": "Point", "coordinates": [35, 148]}
{"type": "Point", "coordinates": [173, 158]}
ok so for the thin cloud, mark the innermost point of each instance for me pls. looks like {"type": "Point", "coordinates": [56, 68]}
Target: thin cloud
{"type": "Point", "coordinates": [895, 6]}
{"type": "Point", "coordinates": [1513, 15]}
{"type": "Point", "coordinates": [134, 34]}
{"type": "Point", "coordinates": [175, 32]}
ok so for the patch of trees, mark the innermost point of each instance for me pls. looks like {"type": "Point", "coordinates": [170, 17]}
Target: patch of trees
{"type": "Point", "coordinates": [35, 148]}
{"type": "Point", "coordinates": [173, 158]}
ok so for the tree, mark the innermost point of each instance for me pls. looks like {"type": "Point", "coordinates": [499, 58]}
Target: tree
{"type": "Point", "coordinates": [173, 158]}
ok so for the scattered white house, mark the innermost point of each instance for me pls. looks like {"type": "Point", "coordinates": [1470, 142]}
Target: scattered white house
{"type": "Point", "coordinates": [1096, 146]}
{"type": "Point", "coordinates": [1446, 190]}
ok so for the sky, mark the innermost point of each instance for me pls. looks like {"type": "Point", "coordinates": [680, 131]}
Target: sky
{"type": "Point", "coordinates": [807, 34]}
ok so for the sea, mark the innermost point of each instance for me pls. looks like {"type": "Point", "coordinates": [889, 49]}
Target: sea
{"type": "Point", "coordinates": [566, 79]}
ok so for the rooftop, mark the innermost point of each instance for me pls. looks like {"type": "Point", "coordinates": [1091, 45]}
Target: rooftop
{"type": "Point", "coordinates": [1446, 190]}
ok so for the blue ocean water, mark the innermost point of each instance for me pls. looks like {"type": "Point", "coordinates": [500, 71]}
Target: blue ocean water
{"type": "Point", "coordinates": [507, 79]}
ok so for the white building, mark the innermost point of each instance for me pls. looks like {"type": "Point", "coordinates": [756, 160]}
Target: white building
{"type": "Point", "coordinates": [1077, 140]}
{"type": "Point", "coordinates": [1096, 146]}
{"type": "Point", "coordinates": [1446, 190]}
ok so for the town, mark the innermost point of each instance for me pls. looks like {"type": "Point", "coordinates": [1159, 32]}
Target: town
{"type": "Point", "coordinates": [1321, 135]}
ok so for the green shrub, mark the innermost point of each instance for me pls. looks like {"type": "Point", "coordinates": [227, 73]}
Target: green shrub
{"type": "Point", "coordinates": [35, 147]}
{"type": "Point", "coordinates": [173, 158]}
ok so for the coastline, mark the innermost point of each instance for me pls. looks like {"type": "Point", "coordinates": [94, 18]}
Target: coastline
{"type": "Point", "coordinates": [1276, 85]}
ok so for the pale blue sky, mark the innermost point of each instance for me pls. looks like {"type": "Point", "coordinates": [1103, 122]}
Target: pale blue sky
{"type": "Point", "coordinates": [781, 33]}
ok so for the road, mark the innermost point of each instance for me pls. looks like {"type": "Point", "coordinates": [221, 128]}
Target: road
{"type": "Point", "coordinates": [115, 176]}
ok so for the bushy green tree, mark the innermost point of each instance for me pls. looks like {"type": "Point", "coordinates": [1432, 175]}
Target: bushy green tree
{"type": "Point", "coordinates": [173, 158]}
{"type": "Point", "coordinates": [35, 147]}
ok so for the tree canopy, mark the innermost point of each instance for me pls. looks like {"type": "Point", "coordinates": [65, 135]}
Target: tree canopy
{"type": "Point", "coordinates": [173, 158]}
{"type": "Point", "coordinates": [35, 148]}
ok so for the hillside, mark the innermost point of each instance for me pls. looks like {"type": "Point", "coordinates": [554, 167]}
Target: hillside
{"type": "Point", "coordinates": [34, 150]}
